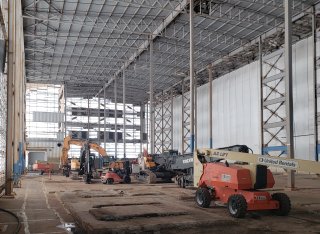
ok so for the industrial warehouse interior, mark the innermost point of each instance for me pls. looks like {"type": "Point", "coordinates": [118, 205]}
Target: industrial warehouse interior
{"type": "Point", "coordinates": [159, 116]}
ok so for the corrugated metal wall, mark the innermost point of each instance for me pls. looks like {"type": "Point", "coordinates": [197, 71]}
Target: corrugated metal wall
{"type": "Point", "coordinates": [236, 107]}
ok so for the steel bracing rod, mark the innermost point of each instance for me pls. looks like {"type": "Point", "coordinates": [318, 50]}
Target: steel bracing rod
{"type": "Point", "coordinates": [288, 87]}
{"type": "Point", "coordinates": [124, 112]}
{"type": "Point", "coordinates": [155, 33]}
{"type": "Point", "coordinates": [3, 24]}
{"type": "Point", "coordinates": [192, 73]}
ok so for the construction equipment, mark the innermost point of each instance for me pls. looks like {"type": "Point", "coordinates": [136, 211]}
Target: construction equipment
{"type": "Point", "coordinates": [183, 165]}
{"type": "Point", "coordinates": [170, 164]}
{"type": "Point", "coordinates": [68, 140]}
{"type": "Point", "coordinates": [118, 173]}
{"type": "Point", "coordinates": [156, 168]}
{"type": "Point", "coordinates": [238, 184]}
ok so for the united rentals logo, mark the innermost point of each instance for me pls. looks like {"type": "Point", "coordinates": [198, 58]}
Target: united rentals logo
{"type": "Point", "coordinates": [284, 163]}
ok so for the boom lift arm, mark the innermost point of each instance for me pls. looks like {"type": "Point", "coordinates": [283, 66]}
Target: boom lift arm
{"type": "Point", "coordinates": [206, 155]}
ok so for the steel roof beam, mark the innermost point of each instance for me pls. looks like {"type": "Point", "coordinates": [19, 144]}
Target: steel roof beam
{"type": "Point", "coordinates": [181, 6]}
{"type": "Point", "coordinates": [115, 27]}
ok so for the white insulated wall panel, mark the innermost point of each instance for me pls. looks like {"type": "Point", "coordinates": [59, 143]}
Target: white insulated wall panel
{"type": "Point", "coordinates": [51, 117]}
{"type": "Point", "coordinates": [203, 134]}
{"type": "Point", "coordinates": [303, 100]}
{"type": "Point", "coordinates": [236, 108]}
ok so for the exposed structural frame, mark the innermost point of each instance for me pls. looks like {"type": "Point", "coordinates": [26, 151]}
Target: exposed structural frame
{"type": "Point", "coordinates": [15, 98]}
{"type": "Point", "coordinates": [146, 43]}
{"type": "Point", "coordinates": [277, 96]}
{"type": "Point", "coordinates": [163, 117]}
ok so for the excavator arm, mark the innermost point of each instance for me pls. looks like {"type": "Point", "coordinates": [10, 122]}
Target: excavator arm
{"type": "Point", "coordinates": [68, 140]}
{"type": "Point", "coordinates": [98, 148]}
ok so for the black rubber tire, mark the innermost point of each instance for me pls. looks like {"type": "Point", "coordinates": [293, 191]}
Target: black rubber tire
{"type": "Point", "coordinates": [284, 204]}
{"type": "Point", "coordinates": [237, 206]}
{"type": "Point", "coordinates": [127, 179]}
{"type": "Point", "coordinates": [183, 182]}
{"type": "Point", "coordinates": [87, 179]}
{"type": "Point", "coordinates": [109, 181]}
{"type": "Point", "coordinates": [203, 197]}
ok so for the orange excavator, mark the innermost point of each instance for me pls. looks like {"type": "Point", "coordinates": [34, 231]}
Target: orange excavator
{"type": "Point", "coordinates": [85, 144]}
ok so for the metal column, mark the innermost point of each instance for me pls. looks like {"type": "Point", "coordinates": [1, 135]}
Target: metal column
{"type": "Point", "coordinates": [171, 111]}
{"type": "Point", "coordinates": [88, 125]}
{"type": "Point", "coordinates": [116, 118]}
{"type": "Point", "coordinates": [10, 99]}
{"type": "Point", "coordinates": [261, 96]}
{"type": "Point", "coordinates": [65, 110]}
{"type": "Point", "coordinates": [314, 51]}
{"type": "Point", "coordinates": [152, 143]}
{"type": "Point", "coordinates": [288, 82]}
{"type": "Point", "coordinates": [124, 112]}
{"type": "Point", "coordinates": [210, 105]}
{"type": "Point", "coordinates": [182, 116]}
{"type": "Point", "coordinates": [104, 117]}
{"type": "Point", "coordinates": [192, 89]}
{"type": "Point", "coordinates": [148, 119]}
{"type": "Point", "coordinates": [142, 124]}
{"type": "Point", "coordinates": [99, 140]}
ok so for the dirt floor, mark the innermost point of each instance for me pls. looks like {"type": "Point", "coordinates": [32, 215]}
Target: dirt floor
{"type": "Point", "coordinates": [62, 205]}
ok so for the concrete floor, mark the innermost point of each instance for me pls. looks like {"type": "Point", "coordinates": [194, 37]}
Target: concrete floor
{"type": "Point", "coordinates": [48, 205]}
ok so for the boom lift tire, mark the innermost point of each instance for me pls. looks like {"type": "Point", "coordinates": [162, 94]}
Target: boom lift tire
{"type": "Point", "coordinates": [203, 197]}
{"type": "Point", "coordinates": [237, 206]}
{"type": "Point", "coordinates": [284, 204]}
{"type": "Point", "coordinates": [87, 179]}
{"type": "Point", "coordinates": [109, 181]}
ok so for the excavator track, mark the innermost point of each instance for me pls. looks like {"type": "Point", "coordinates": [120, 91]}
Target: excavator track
{"type": "Point", "coordinates": [151, 178]}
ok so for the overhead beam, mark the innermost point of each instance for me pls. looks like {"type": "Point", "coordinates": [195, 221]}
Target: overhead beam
{"type": "Point", "coordinates": [146, 43]}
